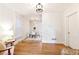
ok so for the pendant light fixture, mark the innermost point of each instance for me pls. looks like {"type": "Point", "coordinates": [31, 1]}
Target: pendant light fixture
{"type": "Point", "coordinates": [39, 8]}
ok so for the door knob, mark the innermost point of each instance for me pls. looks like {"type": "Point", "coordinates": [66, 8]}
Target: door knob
{"type": "Point", "coordinates": [68, 32]}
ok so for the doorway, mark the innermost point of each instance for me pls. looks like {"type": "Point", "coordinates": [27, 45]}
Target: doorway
{"type": "Point", "coordinates": [72, 30]}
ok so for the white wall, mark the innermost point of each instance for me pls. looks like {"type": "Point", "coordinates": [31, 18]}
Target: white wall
{"type": "Point", "coordinates": [72, 42]}
{"type": "Point", "coordinates": [10, 19]}
{"type": "Point", "coordinates": [52, 27]}
{"type": "Point", "coordinates": [7, 20]}
{"type": "Point", "coordinates": [21, 27]}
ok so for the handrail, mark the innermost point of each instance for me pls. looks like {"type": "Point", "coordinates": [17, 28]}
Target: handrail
{"type": "Point", "coordinates": [6, 50]}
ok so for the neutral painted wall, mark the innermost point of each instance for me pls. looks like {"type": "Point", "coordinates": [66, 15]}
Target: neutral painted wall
{"type": "Point", "coordinates": [10, 19]}
{"type": "Point", "coordinates": [7, 20]}
{"type": "Point", "coordinates": [52, 27]}
{"type": "Point", "coordinates": [21, 27]}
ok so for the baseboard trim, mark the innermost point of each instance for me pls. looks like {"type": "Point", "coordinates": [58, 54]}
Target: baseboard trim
{"type": "Point", "coordinates": [55, 43]}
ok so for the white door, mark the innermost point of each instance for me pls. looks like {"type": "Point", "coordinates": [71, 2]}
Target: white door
{"type": "Point", "coordinates": [72, 30]}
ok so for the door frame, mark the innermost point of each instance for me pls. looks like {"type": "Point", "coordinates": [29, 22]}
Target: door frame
{"type": "Point", "coordinates": [67, 27]}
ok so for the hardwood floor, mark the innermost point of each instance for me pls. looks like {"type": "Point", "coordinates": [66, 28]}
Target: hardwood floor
{"type": "Point", "coordinates": [35, 47]}
{"type": "Point", "coordinates": [52, 49]}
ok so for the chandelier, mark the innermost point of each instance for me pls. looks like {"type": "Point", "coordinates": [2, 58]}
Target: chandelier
{"type": "Point", "coordinates": [39, 8]}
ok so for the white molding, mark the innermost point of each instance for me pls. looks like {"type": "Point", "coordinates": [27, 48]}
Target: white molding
{"type": "Point", "coordinates": [69, 12]}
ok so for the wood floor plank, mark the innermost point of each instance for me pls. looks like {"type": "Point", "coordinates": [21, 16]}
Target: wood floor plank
{"type": "Point", "coordinates": [35, 47]}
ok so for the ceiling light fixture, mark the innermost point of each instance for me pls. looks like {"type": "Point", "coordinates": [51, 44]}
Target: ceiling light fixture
{"type": "Point", "coordinates": [39, 8]}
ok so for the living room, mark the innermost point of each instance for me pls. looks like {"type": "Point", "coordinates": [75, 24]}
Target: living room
{"type": "Point", "coordinates": [28, 29]}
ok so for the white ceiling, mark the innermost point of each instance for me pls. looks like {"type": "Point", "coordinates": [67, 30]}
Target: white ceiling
{"type": "Point", "coordinates": [29, 9]}
{"type": "Point", "coordinates": [56, 7]}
